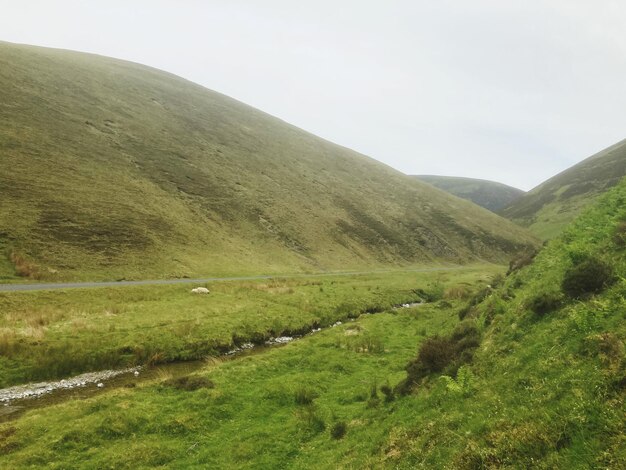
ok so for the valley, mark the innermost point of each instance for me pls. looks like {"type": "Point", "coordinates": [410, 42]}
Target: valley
{"type": "Point", "coordinates": [189, 282]}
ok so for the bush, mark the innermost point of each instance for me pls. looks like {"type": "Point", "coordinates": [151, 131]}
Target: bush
{"type": "Point", "coordinates": [388, 392]}
{"type": "Point", "coordinates": [338, 430]}
{"type": "Point", "coordinates": [544, 303]}
{"type": "Point", "coordinates": [442, 354]}
{"type": "Point", "coordinates": [189, 382]}
{"type": "Point", "coordinates": [589, 277]}
{"type": "Point", "coordinates": [436, 353]}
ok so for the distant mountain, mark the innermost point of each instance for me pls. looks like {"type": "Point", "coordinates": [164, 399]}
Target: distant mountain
{"type": "Point", "coordinates": [110, 169]}
{"type": "Point", "coordinates": [488, 194]}
{"type": "Point", "coordinates": [549, 207]}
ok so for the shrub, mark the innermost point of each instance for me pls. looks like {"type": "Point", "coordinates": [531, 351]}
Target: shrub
{"type": "Point", "coordinates": [436, 353]}
{"type": "Point", "coordinates": [338, 430]}
{"type": "Point", "coordinates": [545, 302]}
{"type": "Point", "coordinates": [189, 382]}
{"type": "Point", "coordinates": [388, 392]}
{"type": "Point", "coordinates": [589, 277]}
{"type": "Point", "coordinates": [439, 354]}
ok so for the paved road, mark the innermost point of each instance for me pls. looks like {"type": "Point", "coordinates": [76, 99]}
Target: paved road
{"type": "Point", "coordinates": [72, 285]}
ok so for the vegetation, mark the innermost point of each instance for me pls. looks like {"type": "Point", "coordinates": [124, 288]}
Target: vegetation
{"type": "Point", "coordinates": [547, 209]}
{"type": "Point", "coordinates": [112, 170]}
{"type": "Point", "coordinates": [54, 334]}
{"type": "Point", "coordinates": [504, 388]}
{"type": "Point", "coordinates": [488, 194]}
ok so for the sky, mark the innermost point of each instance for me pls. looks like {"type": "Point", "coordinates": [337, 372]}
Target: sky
{"type": "Point", "coordinates": [513, 91]}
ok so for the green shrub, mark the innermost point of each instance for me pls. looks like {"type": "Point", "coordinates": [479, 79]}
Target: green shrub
{"type": "Point", "coordinates": [545, 302]}
{"type": "Point", "coordinates": [338, 430]}
{"type": "Point", "coordinates": [435, 353]}
{"type": "Point", "coordinates": [388, 392]}
{"type": "Point", "coordinates": [442, 354]}
{"type": "Point", "coordinates": [588, 277]}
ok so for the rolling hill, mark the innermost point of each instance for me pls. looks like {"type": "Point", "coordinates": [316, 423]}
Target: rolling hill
{"type": "Point", "coordinates": [549, 207]}
{"type": "Point", "coordinates": [488, 194]}
{"type": "Point", "coordinates": [110, 169]}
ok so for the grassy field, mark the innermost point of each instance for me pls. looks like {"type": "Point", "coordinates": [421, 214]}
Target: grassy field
{"type": "Point", "coordinates": [547, 209]}
{"type": "Point", "coordinates": [111, 170]}
{"type": "Point", "coordinates": [51, 334]}
{"type": "Point", "coordinates": [275, 410]}
{"type": "Point", "coordinates": [544, 388]}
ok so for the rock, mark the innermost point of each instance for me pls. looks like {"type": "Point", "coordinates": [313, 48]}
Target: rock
{"type": "Point", "coordinates": [100, 385]}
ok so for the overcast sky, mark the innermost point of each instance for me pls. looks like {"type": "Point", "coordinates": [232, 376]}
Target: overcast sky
{"type": "Point", "coordinates": [513, 91]}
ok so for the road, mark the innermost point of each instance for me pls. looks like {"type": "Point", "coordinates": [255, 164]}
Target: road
{"type": "Point", "coordinates": [73, 285]}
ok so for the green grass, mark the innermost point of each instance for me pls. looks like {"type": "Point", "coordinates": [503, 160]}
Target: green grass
{"type": "Point", "coordinates": [254, 417]}
{"type": "Point", "coordinates": [52, 334]}
{"type": "Point", "coordinates": [547, 209]}
{"type": "Point", "coordinates": [488, 194]}
{"type": "Point", "coordinates": [111, 170]}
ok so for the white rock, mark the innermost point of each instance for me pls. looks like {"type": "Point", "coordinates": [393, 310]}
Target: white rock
{"type": "Point", "coordinates": [100, 385]}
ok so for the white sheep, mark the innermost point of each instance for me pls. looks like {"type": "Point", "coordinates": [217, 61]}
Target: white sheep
{"type": "Point", "coordinates": [200, 290]}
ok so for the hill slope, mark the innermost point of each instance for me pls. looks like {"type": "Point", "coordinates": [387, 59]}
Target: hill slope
{"type": "Point", "coordinates": [488, 194]}
{"type": "Point", "coordinates": [549, 207]}
{"type": "Point", "coordinates": [111, 169]}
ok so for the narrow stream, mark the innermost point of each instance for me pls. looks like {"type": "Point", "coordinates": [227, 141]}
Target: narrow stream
{"type": "Point", "coordinates": [18, 399]}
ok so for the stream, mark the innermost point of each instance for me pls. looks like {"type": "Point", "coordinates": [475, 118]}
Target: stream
{"type": "Point", "coordinates": [18, 399]}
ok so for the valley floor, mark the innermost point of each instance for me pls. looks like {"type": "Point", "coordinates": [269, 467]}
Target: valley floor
{"type": "Point", "coordinates": [328, 400]}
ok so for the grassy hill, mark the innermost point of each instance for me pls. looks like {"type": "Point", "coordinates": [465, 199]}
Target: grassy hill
{"type": "Point", "coordinates": [110, 169]}
{"type": "Point", "coordinates": [488, 194]}
{"type": "Point", "coordinates": [549, 207]}
{"type": "Point", "coordinates": [527, 371]}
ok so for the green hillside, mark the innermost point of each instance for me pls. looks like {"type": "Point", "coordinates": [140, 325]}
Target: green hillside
{"type": "Point", "coordinates": [528, 371]}
{"type": "Point", "coordinates": [549, 207]}
{"type": "Point", "coordinates": [488, 194]}
{"type": "Point", "coordinates": [109, 169]}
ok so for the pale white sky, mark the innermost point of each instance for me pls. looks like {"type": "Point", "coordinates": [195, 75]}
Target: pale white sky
{"type": "Point", "coordinates": [513, 91]}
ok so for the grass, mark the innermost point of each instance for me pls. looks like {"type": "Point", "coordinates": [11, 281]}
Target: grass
{"type": "Point", "coordinates": [113, 170]}
{"type": "Point", "coordinates": [303, 405]}
{"type": "Point", "coordinates": [53, 334]}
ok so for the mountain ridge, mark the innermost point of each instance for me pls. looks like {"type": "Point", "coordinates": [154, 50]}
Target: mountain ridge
{"type": "Point", "coordinates": [491, 195]}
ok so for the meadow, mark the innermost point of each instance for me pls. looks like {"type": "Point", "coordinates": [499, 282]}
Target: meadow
{"type": "Point", "coordinates": [55, 334]}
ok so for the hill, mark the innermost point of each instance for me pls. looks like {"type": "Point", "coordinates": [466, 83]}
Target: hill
{"type": "Point", "coordinates": [549, 207]}
{"type": "Point", "coordinates": [488, 194]}
{"type": "Point", "coordinates": [111, 169]}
